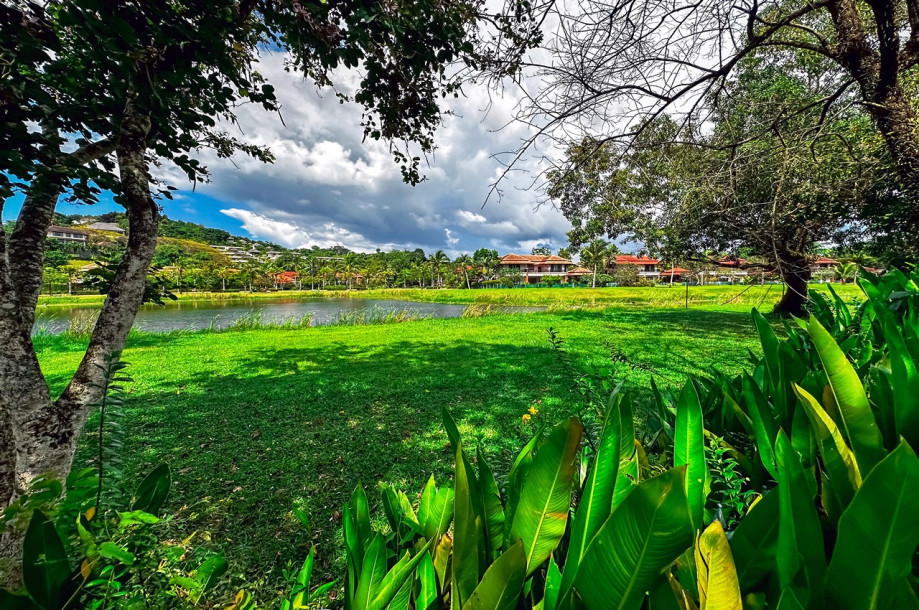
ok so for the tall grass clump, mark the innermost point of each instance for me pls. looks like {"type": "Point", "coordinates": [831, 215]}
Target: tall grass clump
{"type": "Point", "coordinates": [81, 325]}
{"type": "Point", "coordinates": [254, 320]}
{"type": "Point", "coordinates": [377, 315]}
{"type": "Point", "coordinates": [477, 311]}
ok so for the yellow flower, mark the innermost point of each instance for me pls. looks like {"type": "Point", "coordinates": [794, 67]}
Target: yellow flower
{"type": "Point", "coordinates": [533, 410]}
{"type": "Point", "coordinates": [526, 418]}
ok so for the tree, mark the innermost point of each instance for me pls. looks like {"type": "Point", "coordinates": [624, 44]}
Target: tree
{"type": "Point", "coordinates": [465, 262]}
{"type": "Point", "coordinates": [620, 65]}
{"type": "Point", "coordinates": [542, 250]}
{"type": "Point", "coordinates": [596, 256]}
{"type": "Point", "coordinates": [437, 262]}
{"type": "Point", "coordinates": [689, 194]}
{"type": "Point", "coordinates": [135, 83]}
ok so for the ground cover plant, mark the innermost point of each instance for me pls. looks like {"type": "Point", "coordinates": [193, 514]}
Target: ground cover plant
{"type": "Point", "coordinates": [255, 424]}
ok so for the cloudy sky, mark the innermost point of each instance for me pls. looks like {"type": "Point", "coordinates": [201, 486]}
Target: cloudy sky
{"type": "Point", "coordinates": [327, 187]}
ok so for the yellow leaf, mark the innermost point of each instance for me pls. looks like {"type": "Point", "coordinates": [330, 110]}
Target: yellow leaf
{"type": "Point", "coordinates": [86, 569]}
{"type": "Point", "coordinates": [719, 588]}
{"type": "Point", "coordinates": [826, 431]}
{"type": "Point", "coordinates": [90, 513]}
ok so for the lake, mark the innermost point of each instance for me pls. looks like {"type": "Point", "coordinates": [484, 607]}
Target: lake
{"type": "Point", "coordinates": [196, 315]}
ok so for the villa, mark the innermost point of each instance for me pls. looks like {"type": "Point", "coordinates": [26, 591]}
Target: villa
{"type": "Point", "coordinates": [647, 267]}
{"type": "Point", "coordinates": [535, 267]}
{"type": "Point", "coordinates": [68, 234]}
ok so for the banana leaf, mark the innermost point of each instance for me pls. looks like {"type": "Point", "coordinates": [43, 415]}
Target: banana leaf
{"type": "Point", "coordinates": [502, 583]}
{"type": "Point", "coordinates": [689, 449]}
{"type": "Point", "coordinates": [719, 587]}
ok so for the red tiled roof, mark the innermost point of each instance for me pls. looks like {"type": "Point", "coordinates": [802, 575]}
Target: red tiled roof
{"type": "Point", "coordinates": [675, 271]}
{"type": "Point", "coordinates": [514, 259]}
{"type": "Point", "coordinates": [822, 260]}
{"type": "Point", "coordinates": [630, 259]}
{"type": "Point", "coordinates": [287, 277]}
{"type": "Point", "coordinates": [579, 271]}
{"type": "Point", "coordinates": [732, 262]}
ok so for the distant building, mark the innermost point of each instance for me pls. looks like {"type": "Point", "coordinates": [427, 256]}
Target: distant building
{"type": "Point", "coordinates": [111, 227]}
{"type": "Point", "coordinates": [68, 234]}
{"type": "Point", "coordinates": [822, 262]}
{"type": "Point", "coordinates": [239, 254]}
{"type": "Point", "coordinates": [647, 267]}
{"type": "Point", "coordinates": [535, 267]}
{"type": "Point", "coordinates": [674, 274]}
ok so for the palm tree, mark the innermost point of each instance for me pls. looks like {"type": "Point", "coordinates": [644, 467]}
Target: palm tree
{"type": "Point", "coordinates": [596, 255]}
{"type": "Point", "coordinates": [846, 271]}
{"type": "Point", "coordinates": [464, 262]}
{"type": "Point", "coordinates": [438, 260]}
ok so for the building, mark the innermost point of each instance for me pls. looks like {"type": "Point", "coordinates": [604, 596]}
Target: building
{"type": "Point", "coordinates": [111, 227]}
{"type": "Point", "coordinates": [68, 234]}
{"type": "Point", "coordinates": [647, 267]}
{"type": "Point", "coordinates": [674, 274]}
{"type": "Point", "coordinates": [822, 263]}
{"type": "Point", "coordinates": [535, 267]}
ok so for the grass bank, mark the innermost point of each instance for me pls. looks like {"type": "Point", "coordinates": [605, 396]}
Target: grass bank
{"type": "Point", "coordinates": [254, 423]}
{"type": "Point", "coordinates": [732, 297]}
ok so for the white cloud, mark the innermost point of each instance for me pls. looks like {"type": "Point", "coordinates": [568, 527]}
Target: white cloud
{"type": "Point", "coordinates": [329, 186]}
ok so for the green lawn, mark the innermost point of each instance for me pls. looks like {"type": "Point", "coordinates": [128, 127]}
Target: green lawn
{"type": "Point", "coordinates": [256, 422]}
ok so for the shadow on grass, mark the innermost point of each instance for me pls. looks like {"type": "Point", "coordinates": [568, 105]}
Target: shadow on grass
{"type": "Point", "coordinates": [302, 426]}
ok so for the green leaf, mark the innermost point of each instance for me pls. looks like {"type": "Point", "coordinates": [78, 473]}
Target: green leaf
{"type": "Point", "coordinates": [689, 449]}
{"type": "Point", "coordinates": [545, 498]}
{"type": "Point", "coordinates": [857, 419]}
{"type": "Point", "coordinates": [764, 427]}
{"type": "Point", "coordinates": [627, 474]}
{"type": "Point", "coordinates": [435, 511]}
{"type": "Point", "coordinates": [373, 570]}
{"type": "Point", "coordinates": [800, 556]}
{"type": "Point", "coordinates": [452, 431]}
{"type": "Point", "coordinates": [553, 586]}
{"type": "Point", "coordinates": [839, 461]}
{"type": "Point", "coordinates": [596, 501]}
{"type": "Point", "coordinates": [45, 567]}
{"type": "Point", "coordinates": [210, 572]}
{"type": "Point", "coordinates": [878, 536]}
{"type": "Point", "coordinates": [152, 492]}
{"type": "Point", "coordinates": [303, 580]}
{"type": "Point", "coordinates": [395, 579]}
{"type": "Point", "coordinates": [491, 501]}
{"type": "Point", "coordinates": [113, 552]}
{"type": "Point", "coordinates": [10, 601]}
{"type": "Point", "coordinates": [426, 598]}
{"type": "Point", "coordinates": [502, 583]}
{"type": "Point", "coordinates": [468, 533]}
{"type": "Point", "coordinates": [753, 543]}
{"type": "Point", "coordinates": [644, 535]}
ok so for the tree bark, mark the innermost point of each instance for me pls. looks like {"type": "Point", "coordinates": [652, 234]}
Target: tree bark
{"type": "Point", "coordinates": [796, 274]}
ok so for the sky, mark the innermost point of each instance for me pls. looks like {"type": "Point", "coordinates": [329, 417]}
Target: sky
{"type": "Point", "coordinates": [327, 187]}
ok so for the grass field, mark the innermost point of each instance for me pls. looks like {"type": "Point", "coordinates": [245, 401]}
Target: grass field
{"type": "Point", "coordinates": [254, 423]}
{"type": "Point", "coordinates": [735, 297]}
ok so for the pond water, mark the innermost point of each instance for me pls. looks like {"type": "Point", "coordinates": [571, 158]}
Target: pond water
{"type": "Point", "coordinates": [196, 315]}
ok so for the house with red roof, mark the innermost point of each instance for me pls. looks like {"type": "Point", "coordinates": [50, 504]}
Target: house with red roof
{"type": "Point", "coordinates": [647, 267]}
{"type": "Point", "coordinates": [535, 267]}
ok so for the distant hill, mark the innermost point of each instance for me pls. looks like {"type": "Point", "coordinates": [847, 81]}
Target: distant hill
{"type": "Point", "coordinates": [176, 229]}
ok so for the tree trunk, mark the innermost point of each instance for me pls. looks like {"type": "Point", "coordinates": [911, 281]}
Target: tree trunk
{"type": "Point", "coordinates": [795, 274]}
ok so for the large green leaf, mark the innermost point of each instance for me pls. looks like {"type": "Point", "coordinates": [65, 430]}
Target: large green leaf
{"type": "Point", "coordinates": [152, 492]}
{"type": "Point", "coordinates": [644, 535]}
{"type": "Point", "coordinates": [627, 474]}
{"type": "Point", "coordinates": [426, 597]}
{"type": "Point", "coordinates": [596, 501]}
{"type": "Point", "coordinates": [765, 428]}
{"type": "Point", "coordinates": [689, 449]}
{"type": "Point", "coordinates": [857, 419]}
{"type": "Point", "coordinates": [839, 461]}
{"type": "Point", "coordinates": [491, 502]}
{"type": "Point", "coordinates": [878, 536]}
{"type": "Point", "coordinates": [45, 567]}
{"type": "Point", "coordinates": [502, 583]}
{"type": "Point", "coordinates": [800, 556]}
{"type": "Point", "coordinates": [435, 510]}
{"type": "Point", "coordinates": [395, 579]}
{"type": "Point", "coordinates": [373, 569]}
{"type": "Point", "coordinates": [542, 512]}
{"type": "Point", "coordinates": [469, 559]}
{"type": "Point", "coordinates": [754, 542]}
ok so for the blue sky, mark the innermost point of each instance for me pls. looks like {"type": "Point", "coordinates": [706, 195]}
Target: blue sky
{"type": "Point", "coordinates": [329, 187]}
